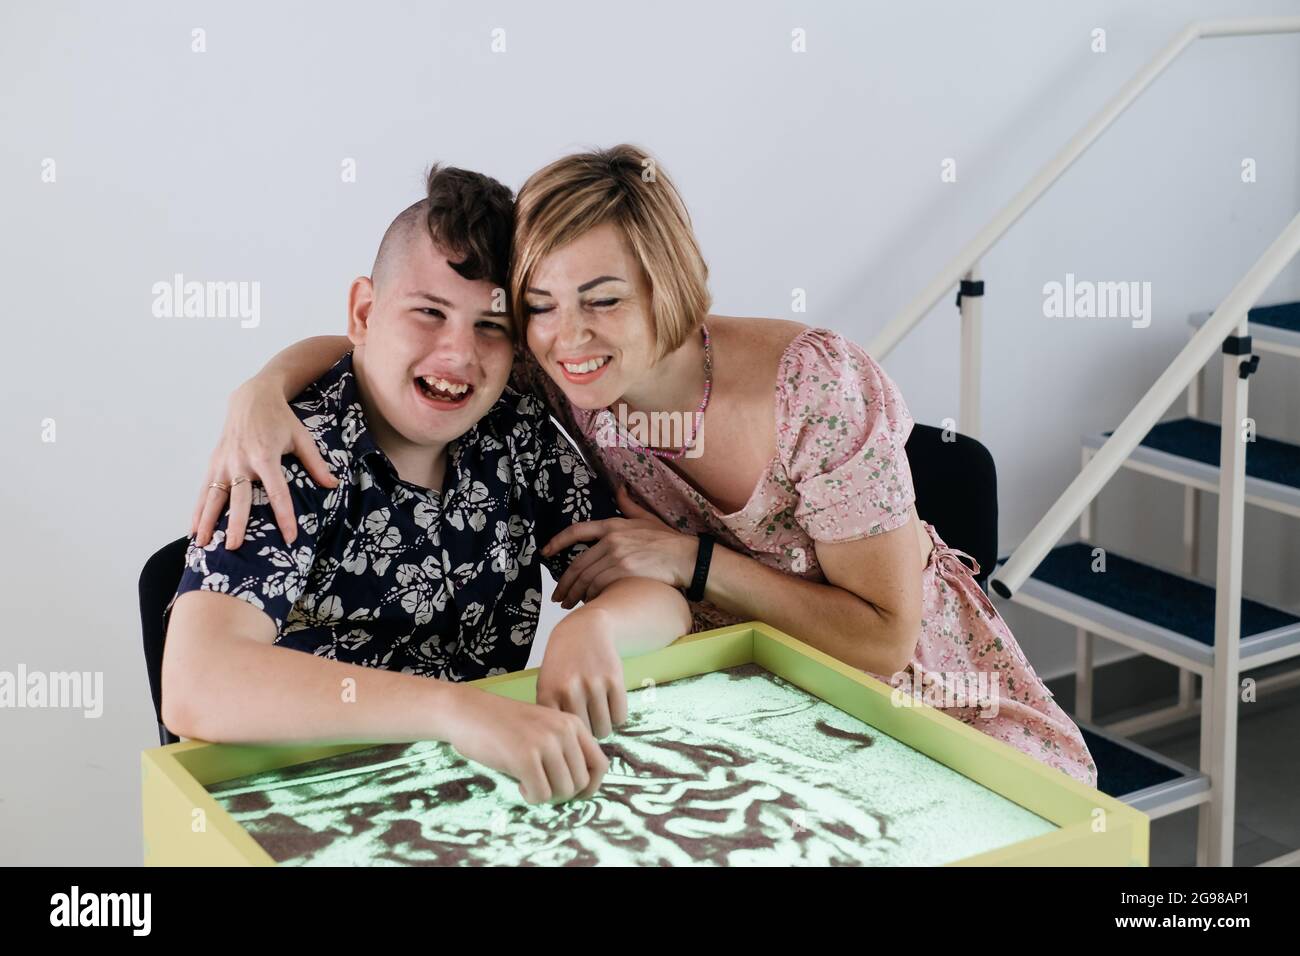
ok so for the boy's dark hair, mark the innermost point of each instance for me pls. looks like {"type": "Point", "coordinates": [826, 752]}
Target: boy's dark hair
{"type": "Point", "coordinates": [472, 216]}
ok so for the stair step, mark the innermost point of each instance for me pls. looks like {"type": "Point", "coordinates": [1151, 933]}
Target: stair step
{"type": "Point", "coordinates": [1273, 328]}
{"type": "Point", "coordinates": [1142, 778]}
{"type": "Point", "coordinates": [1186, 450]}
{"type": "Point", "coordinates": [1160, 613]}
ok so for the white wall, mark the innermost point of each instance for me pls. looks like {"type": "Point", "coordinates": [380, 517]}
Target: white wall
{"type": "Point", "coordinates": [817, 170]}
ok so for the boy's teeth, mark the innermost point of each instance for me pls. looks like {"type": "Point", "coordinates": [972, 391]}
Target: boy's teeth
{"type": "Point", "coordinates": [588, 366]}
{"type": "Point", "coordinates": [442, 385]}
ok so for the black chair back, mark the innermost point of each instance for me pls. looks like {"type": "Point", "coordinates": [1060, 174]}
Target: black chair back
{"type": "Point", "coordinates": [957, 491]}
{"type": "Point", "coordinates": [158, 583]}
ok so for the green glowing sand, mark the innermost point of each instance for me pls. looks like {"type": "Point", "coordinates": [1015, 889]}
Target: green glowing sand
{"type": "Point", "coordinates": [736, 767]}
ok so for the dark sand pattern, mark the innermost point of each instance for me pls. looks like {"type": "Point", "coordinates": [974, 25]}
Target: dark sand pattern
{"type": "Point", "coordinates": [732, 768]}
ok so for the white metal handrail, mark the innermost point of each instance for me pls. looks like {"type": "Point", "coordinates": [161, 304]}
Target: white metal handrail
{"type": "Point", "coordinates": [1177, 376]}
{"type": "Point", "coordinates": [1219, 689]}
{"type": "Point", "coordinates": [914, 311]}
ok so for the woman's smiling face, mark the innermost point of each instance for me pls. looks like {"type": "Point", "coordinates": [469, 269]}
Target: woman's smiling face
{"type": "Point", "coordinates": [590, 324]}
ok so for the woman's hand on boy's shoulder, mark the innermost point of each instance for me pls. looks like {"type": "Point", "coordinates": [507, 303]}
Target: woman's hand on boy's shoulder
{"type": "Point", "coordinates": [260, 427]}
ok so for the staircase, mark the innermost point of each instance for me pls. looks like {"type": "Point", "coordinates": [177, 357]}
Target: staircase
{"type": "Point", "coordinates": [1210, 631]}
{"type": "Point", "coordinates": [1170, 615]}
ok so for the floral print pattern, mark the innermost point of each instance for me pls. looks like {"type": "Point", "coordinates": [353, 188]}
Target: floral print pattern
{"type": "Point", "coordinates": [840, 474]}
{"type": "Point", "coordinates": [440, 583]}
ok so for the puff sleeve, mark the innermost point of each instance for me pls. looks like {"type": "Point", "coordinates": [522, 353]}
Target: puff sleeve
{"type": "Point", "coordinates": [842, 426]}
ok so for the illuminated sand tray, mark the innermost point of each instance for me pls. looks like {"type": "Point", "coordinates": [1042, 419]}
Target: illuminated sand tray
{"type": "Point", "coordinates": [733, 767]}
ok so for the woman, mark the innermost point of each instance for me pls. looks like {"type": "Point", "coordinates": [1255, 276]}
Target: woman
{"type": "Point", "coordinates": [791, 455]}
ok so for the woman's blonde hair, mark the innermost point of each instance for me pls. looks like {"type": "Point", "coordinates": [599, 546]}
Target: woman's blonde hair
{"type": "Point", "coordinates": [621, 185]}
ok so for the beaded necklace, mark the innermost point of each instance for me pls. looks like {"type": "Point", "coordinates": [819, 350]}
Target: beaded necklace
{"type": "Point", "coordinates": [699, 413]}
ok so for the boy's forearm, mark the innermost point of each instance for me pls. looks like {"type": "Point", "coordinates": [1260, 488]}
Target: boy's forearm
{"type": "Point", "coordinates": [638, 614]}
{"type": "Point", "coordinates": [252, 692]}
{"type": "Point", "coordinates": [294, 368]}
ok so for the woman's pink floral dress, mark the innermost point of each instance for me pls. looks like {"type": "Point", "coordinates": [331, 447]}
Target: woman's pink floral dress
{"type": "Point", "coordinates": [841, 473]}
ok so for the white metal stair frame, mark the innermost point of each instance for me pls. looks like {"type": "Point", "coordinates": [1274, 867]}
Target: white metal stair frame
{"type": "Point", "coordinates": [1196, 477]}
{"type": "Point", "coordinates": [1218, 735]}
{"type": "Point", "coordinates": [1219, 705]}
{"type": "Point", "coordinates": [966, 264]}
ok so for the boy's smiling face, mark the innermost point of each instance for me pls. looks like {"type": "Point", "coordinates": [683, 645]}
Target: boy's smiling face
{"type": "Point", "coordinates": [432, 354]}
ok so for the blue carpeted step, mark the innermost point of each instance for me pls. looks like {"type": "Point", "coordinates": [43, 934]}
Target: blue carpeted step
{"type": "Point", "coordinates": [1285, 316]}
{"type": "Point", "coordinates": [1149, 594]}
{"type": "Point", "coordinates": [1266, 458]}
{"type": "Point", "coordinates": [1121, 771]}
{"type": "Point", "coordinates": [1272, 327]}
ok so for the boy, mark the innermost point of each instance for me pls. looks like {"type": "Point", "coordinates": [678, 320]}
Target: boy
{"type": "Point", "coordinates": [421, 568]}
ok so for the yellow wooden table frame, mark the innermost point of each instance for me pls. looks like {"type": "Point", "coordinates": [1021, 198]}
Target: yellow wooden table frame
{"type": "Point", "coordinates": [185, 825]}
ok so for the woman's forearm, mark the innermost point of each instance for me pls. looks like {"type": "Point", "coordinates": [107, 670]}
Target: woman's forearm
{"type": "Point", "coordinates": [294, 368]}
{"type": "Point", "coordinates": [825, 616]}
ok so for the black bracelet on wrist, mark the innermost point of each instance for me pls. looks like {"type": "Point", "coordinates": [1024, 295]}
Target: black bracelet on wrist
{"type": "Point", "coordinates": [702, 559]}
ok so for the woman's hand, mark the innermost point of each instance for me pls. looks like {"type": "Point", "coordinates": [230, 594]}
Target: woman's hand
{"type": "Point", "coordinates": [639, 545]}
{"type": "Point", "coordinates": [260, 427]}
{"type": "Point", "coordinates": [582, 673]}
